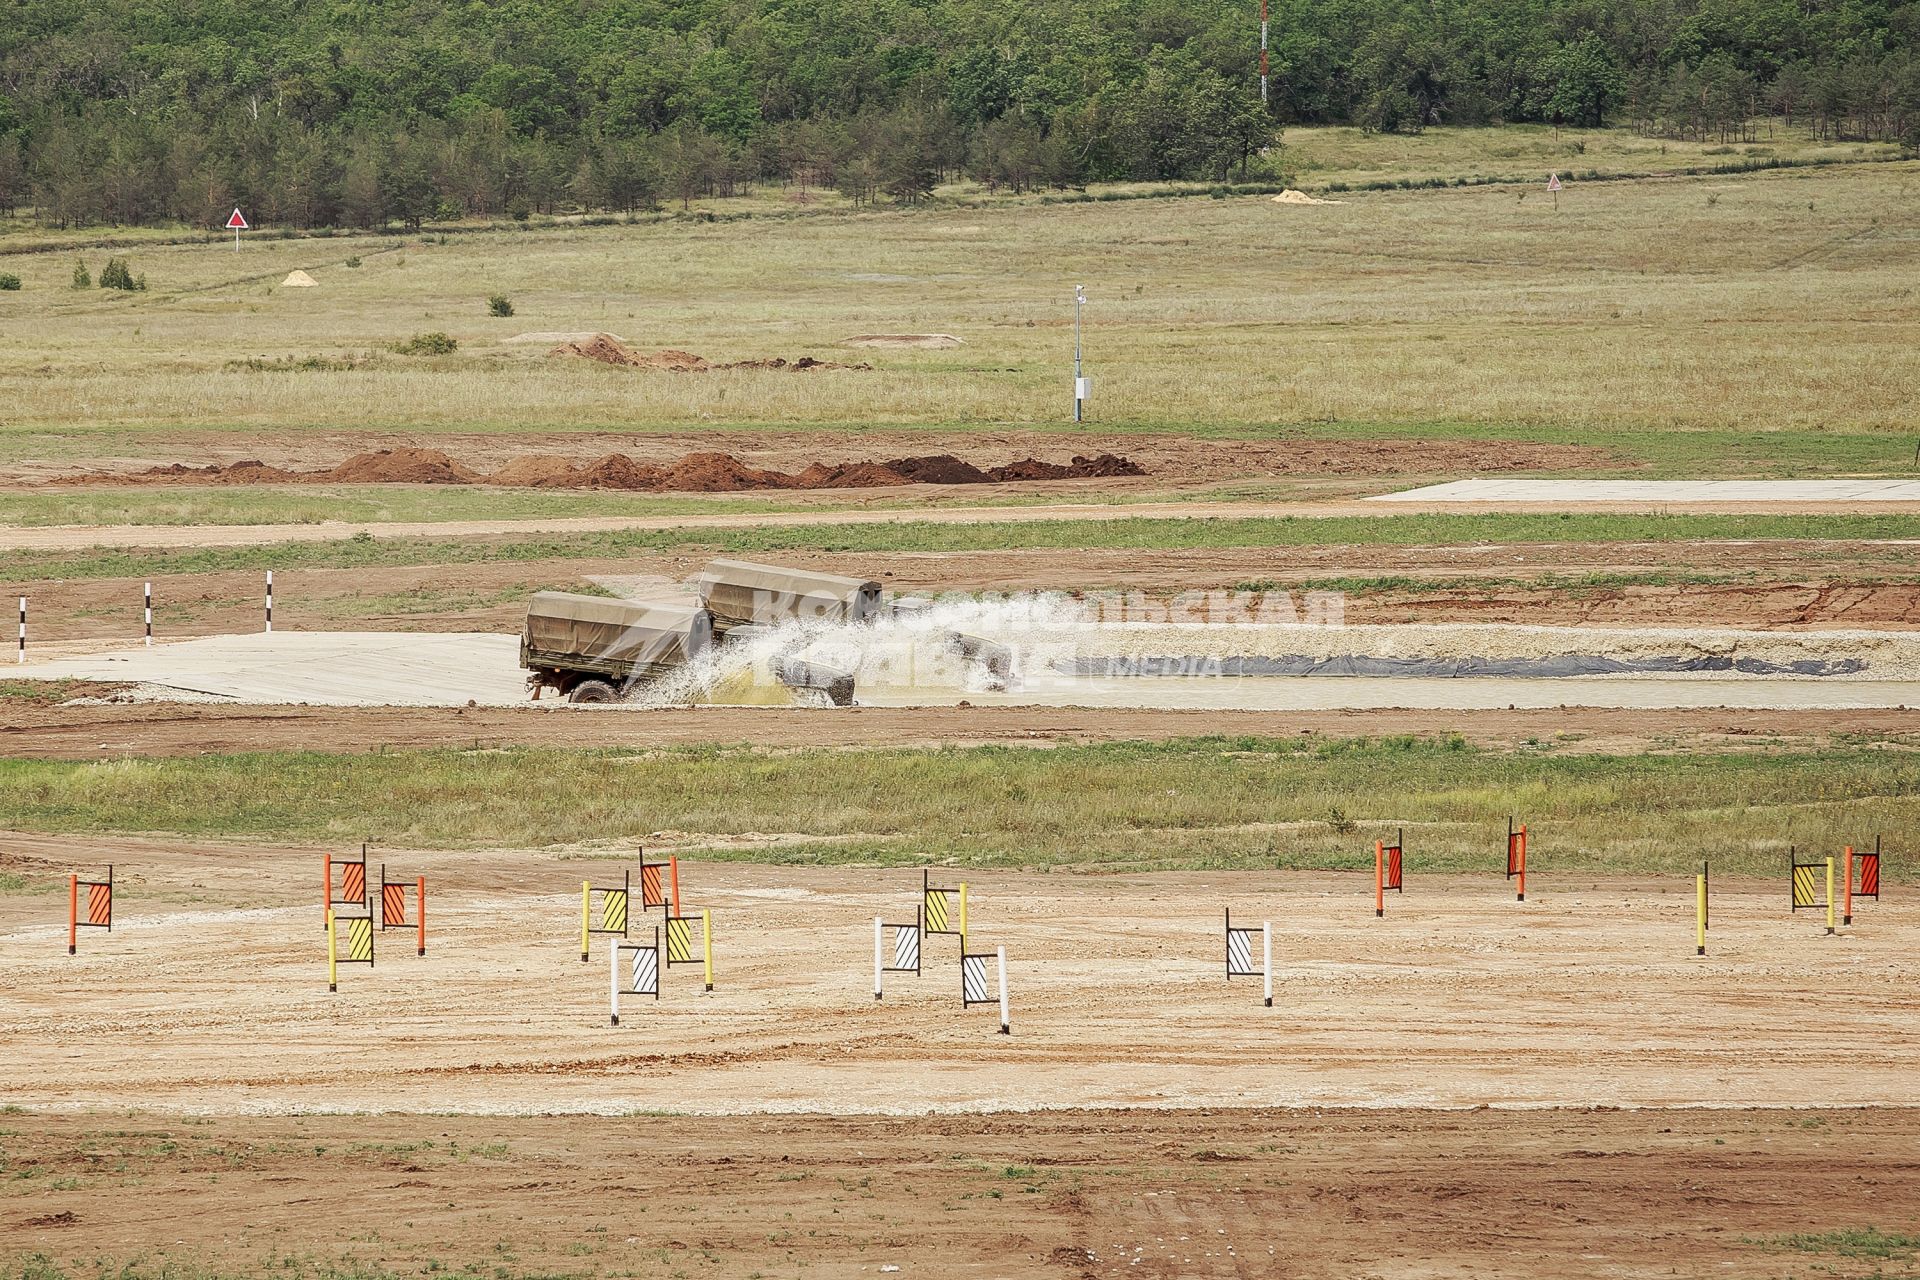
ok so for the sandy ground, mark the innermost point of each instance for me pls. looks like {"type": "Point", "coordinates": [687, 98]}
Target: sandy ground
{"type": "Point", "coordinates": [456, 669]}
{"type": "Point", "coordinates": [1670, 491]}
{"type": "Point", "coordinates": [1225, 1193]}
{"type": "Point", "coordinates": [85, 732]}
{"type": "Point", "coordinates": [209, 995]}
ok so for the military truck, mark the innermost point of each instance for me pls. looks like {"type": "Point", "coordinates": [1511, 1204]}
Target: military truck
{"type": "Point", "coordinates": [591, 649]}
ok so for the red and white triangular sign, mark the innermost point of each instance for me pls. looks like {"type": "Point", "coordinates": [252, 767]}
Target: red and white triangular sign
{"type": "Point", "coordinates": [1553, 184]}
{"type": "Point", "coordinates": [236, 222]}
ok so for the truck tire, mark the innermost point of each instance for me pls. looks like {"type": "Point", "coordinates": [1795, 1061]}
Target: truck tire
{"type": "Point", "coordinates": [593, 691]}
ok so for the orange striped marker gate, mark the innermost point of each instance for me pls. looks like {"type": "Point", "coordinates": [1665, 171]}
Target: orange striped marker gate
{"type": "Point", "coordinates": [1869, 877]}
{"type": "Point", "coordinates": [393, 907]}
{"type": "Point", "coordinates": [1517, 858]}
{"type": "Point", "coordinates": [1388, 870]}
{"type": "Point", "coordinates": [99, 912]}
{"type": "Point", "coordinates": [344, 884]}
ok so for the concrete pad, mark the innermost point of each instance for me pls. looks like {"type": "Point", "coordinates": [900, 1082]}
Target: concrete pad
{"type": "Point", "coordinates": [1659, 491]}
{"type": "Point", "coordinates": [320, 668]}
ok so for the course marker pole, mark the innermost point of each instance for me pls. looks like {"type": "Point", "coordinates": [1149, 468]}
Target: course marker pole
{"type": "Point", "coordinates": [706, 943]}
{"type": "Point", "coordinates": [73, 914]}
{"type": "Point", "coordinates": [149, 615]}
{"type": "Point", "coordinates": [420, 909]}
{"type": "Point", "coordinates": [586, 892]}
{"type": "Point", "coordinates": [963, 915]}
{"type": "Point", "coordinates": [613, 981]}
{"type": "Point", "coordinates": [1006, 1020]}
{"type": "Point", "coordinates": [269, 601]}
{"type": "Point", "coordinates": [1829, 895]}
{"type": "Point", "coordinates": [333, 955]}
{"type": "Point", "coordinates": [1379, 880]}
{"type": "Point", "coordinates": [1847, 916]}
{"type": "Point", "coordinates": [1700, 912]}
{"type": "Point", "coordinates": [877, 926]}
{"type": "Point", "coordinates": [673, 870]}
{"type": "Point", "coordinates": [1266, 958]}
{"type": "Point", "coordinates": [326, 889]}
{"type": "Point", "coordinates": [23, 631]}
{"type": "Point", "coordinates": [1522, 895]}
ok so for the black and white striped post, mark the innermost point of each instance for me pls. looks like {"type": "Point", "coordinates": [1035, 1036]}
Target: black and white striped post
{"type": "Point", "coordinates": [149, 615]}
{"type": "Point", "coordinates": [23, 630]}
{"type": "Point", "coordinates": [269, 601]}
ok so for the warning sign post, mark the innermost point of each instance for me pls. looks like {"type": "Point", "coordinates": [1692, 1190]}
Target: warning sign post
{"type": "Point", "coordinates": [236, 224]}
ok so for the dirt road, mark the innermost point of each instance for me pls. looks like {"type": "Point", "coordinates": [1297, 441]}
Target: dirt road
{"type": "Point", "coordinates": [88, 537]}
{"type": "Point", "coordinates": [1226, 1193]}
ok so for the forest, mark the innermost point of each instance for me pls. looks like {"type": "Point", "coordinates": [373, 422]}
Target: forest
{"type": "Point", "coordinates": [369, 112]}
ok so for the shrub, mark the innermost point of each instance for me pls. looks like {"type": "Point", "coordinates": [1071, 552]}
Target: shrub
{"type": "Point", "coordinates": [115, 275]}
{"type": "Point", "coordinates": [9, 283]}
{"type": "Point", "coordinates": [353, 261]}
{"type": "Point", "coordinates": [499, 305]}
{"type": "Point", "coordinates": [82, 278]}
{"type": "Point", "coordinates": [427, 344]}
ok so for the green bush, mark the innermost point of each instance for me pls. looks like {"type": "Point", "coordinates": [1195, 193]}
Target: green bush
{"type": "Point", "coordinates": [115, 275]}
{"type": "Point", "coordinates": [499, 305]}
{"type": "Point", "coordinates": [428, 344]}
{"type": "Point", "coordinates": [82, 278]}
{"type": "Point", "coordinates": [9, 283]}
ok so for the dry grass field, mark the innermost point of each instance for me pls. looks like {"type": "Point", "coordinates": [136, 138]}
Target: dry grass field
{"type": "Point", "coordinates": [1638, 306]}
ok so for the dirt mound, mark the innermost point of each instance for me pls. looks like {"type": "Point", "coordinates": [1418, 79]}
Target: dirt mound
{"type": "Point", "coordinates": [707, 472]}
{"type": "Point", "coordinates": [720, 473]}
{"type": "Point", "coordinates": [607, 349]}
{"type": "Point", "coordinates": [850, 475]}
{"type": "Point", "coordinates": [615, 471]}
{"type": "Point", "coordinates": [398, 466]}
{"type": "Point", "coordinates": [537, 471]}
{"type": "Point", "coordinates": [1106, 466]}
{"type": "Point", "coordinates": [923, 341]}
{"type": "Point", "coordinates": [939, 468]}
{"type": "Point", "coordinates": [1290, 196]}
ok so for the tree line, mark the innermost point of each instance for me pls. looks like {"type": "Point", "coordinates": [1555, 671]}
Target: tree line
{"type": "Point", "coordinates": [365, 112]}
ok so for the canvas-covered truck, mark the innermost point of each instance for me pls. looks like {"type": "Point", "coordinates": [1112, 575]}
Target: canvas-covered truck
{"type": "Point", "coordinates": [740, 593]}
{"type": "Point", "coordinates": [592, 649]}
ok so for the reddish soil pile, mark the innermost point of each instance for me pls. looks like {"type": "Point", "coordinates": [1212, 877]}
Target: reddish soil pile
{"type": "Point", "coordinates": [606, 349]}
{"type": "Point", "coordinates": [695, 473]}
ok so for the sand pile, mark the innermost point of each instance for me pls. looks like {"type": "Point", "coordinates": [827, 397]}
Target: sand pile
{"type": "Point", "coordinates": [694, 473]}
{"type": "Point", "coordinates": [298, 280]}
{"type": "Point", "coordinates": [1290, 196]}
{"type": "Point", "coordinates": [606, 349]}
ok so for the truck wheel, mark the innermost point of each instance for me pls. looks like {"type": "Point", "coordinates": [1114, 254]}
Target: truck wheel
{"type": "Point", "coordinates": [593, 691]}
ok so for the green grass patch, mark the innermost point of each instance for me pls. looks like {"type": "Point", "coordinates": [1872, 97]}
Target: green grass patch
{"type": "Point", "coordinates": [1120, 533]}
{"type": "Point", "coordinates": [1854, 1242]}
{"type": "Point", "coordinates": [1194, 803]}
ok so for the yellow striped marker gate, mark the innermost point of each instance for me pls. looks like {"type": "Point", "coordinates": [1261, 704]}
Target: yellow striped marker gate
{"type": "Point", "coordinates": [680, 942]}
{"type": "Point", "coordinates": [613, 902]}
{"type": "Point", "coordinates": [359, 948]}
{"type": "Point", "coordinates": [943, 910]}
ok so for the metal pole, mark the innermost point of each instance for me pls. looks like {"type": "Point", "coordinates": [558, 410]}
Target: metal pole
{"type": "Point", "coordinates": [1006, 1021]}
{"type": "Point", "coordinates": [1263, 52]}
{"type": "Point", "coordinates": [706, 943]}
{"type": "Point", "coordinates": [420, 913]}
{"type": "Point", "coordinates": [269, 600]}
{"type": "Point", "coordinates": [23, 631]}
{"type": "Point", "coordinates": [613, 981]}
{"type": "Point", "coordinates": [876, 957]}
{"type": "Point", "coordinates": [1266, 958]}
{"type": "Point", "coordinates": [149, 615]}
{"type": "Point", "coordinates": [1079, 383]}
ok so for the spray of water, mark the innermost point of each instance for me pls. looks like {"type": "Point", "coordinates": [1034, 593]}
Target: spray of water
{"type": "Point", "coordinates": [908, 649]}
